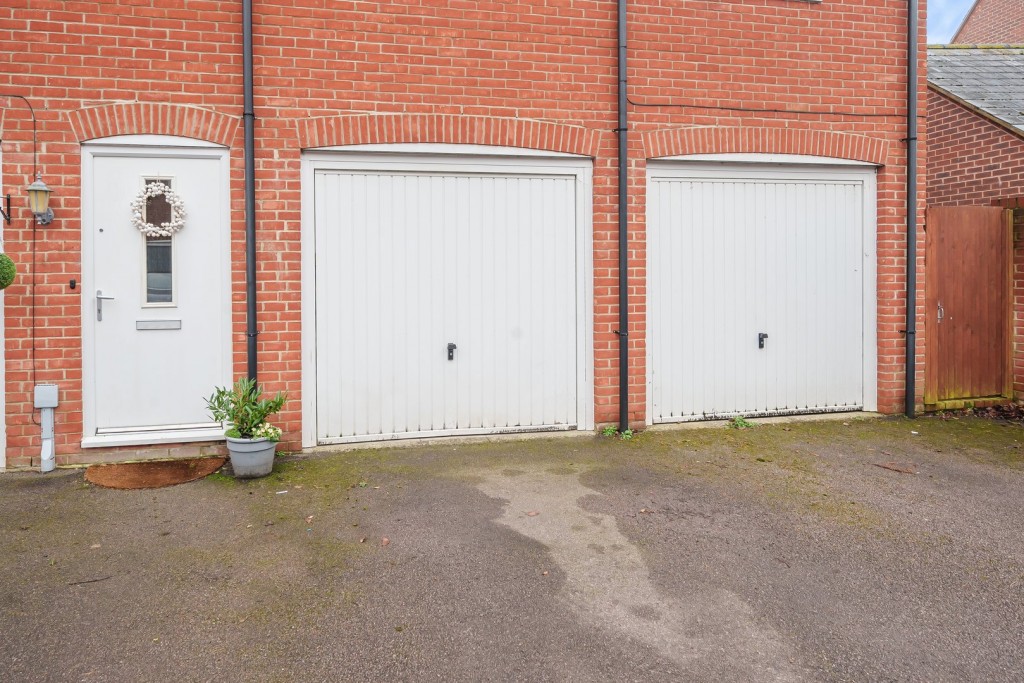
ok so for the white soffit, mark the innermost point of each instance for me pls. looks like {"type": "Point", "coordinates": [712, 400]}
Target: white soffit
{"type": "Point", "coordinates": [803, 159]}
{"type": "Point", "coordinates": [174, 141]}
{"type": "Point", "coordinates": [435, 149]}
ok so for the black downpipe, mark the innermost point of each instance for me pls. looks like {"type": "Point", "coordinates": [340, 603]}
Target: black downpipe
{"type": "Point", "coordinates": [622, 130]}
{"type": "Point", "coordinates": [249, 122]}
{"type": "Point", "coordinates": [911, 324]}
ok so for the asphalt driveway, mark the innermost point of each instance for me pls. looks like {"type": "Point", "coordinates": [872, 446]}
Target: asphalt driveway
{"type": "Point", "coordinates": [838, 550]}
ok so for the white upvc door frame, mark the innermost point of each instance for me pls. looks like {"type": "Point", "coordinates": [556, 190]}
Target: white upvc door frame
{"type": "Point", "coordinates": [788, 167]}
{"type": "Point", "coordinates": [440, 158]}
{"type": "Point", "coordinates": [149, 146]}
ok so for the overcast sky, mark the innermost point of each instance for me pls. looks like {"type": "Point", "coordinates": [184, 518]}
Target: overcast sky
{"type": "Point", "coordinates": [944, 17]}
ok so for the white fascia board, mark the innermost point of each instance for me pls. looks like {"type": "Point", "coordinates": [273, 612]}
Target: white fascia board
{"type": "Point", "coordinates": [787, 159]}
{"type": "Point", "coordinates": [175, 141]}
{"type": "Point", "coordinates": [434, 149]}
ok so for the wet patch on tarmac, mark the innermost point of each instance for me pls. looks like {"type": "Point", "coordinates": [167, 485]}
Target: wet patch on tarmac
{"type": "Point", "coordinates": [607, 583]}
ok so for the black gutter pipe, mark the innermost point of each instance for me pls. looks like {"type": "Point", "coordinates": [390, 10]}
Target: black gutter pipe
{"type": "Point", "coordinates": [911, 323]}
{"type": "Point", "coordinates": [248, 119]}
{"type": "Point", "coordinates": [622, 130]}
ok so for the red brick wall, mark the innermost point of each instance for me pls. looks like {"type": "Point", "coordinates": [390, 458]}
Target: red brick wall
{"type": "Point", "coordinates": [485, 66]}
{"type": "Point", "coordinates": [993, 22]}
{"type": "Point", "coordinates": [970, 159]}
{"type": "Point", "coordinates": [1017, 334]}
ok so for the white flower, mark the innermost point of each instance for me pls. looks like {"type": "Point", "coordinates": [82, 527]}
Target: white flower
{"type": "Point", "coordinates": [267, 431]}
{"type": "Point", "coordinates": [167, 228]}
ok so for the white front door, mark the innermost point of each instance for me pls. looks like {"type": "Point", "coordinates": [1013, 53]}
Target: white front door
{"type": "Point", "coordinates": [156, 310]}
{"type": "Point", "coordinates": [448, 297]}
{"type": "Point", "coordinates": [761, 290]}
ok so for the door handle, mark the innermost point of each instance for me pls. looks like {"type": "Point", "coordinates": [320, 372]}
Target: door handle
{"type": "Point", "coordinates": [451, 351]}
{"type": "Point", "coordinates": [761, 336]}
{"type": "Point", "coordinates": [100, 298]}
{"type": "Point", "coordinates": [942, 312]}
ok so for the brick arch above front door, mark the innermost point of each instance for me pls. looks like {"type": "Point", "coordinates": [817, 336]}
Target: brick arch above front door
{"type": "Point", "coordinates": [140, 118]}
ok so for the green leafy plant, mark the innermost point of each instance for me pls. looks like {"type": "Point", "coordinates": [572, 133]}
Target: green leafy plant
{"type": "Point", "coordinates": [626, 434]}
{"type": "Point", "coordinates": [7, 271]}
{"type": "Point", "coordinates": [609, 431]}
{"type": "Point", "coordinates": [739, 423]}
{"type": "Point", "coordinates": [244, 407]}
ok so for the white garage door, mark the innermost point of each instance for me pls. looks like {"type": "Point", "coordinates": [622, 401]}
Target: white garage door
{"type": "Point", "coordinates": [761, 290]}
{"type": "Point", "coordinates": [448, 298]}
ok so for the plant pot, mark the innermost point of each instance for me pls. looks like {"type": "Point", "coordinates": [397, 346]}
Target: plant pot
{"type": "Point", "coordinates": [251, 458]}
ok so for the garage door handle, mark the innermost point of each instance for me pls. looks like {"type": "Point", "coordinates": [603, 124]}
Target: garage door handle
{"type": "Point", "coordinates": [761, 336]}
{"type": "Point", "coordinates": [451, 351]}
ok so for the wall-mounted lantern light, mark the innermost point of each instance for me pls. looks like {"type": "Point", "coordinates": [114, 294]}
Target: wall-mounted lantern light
{"type": "Point", "coordinates": [39, 201]}
{"type": "Point", "coordinates": [38, 192]}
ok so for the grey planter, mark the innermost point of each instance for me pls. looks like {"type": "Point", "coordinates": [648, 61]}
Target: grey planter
{"type": "Point", "coordinates": [251, 458]}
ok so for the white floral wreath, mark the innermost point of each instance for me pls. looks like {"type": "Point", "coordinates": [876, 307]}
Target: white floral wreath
{"type": "Point", "coordinates": [167, 229]}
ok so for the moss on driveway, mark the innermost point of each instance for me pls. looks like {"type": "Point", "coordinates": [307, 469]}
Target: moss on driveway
{"type": "Point", "coordinates": [804, 532]}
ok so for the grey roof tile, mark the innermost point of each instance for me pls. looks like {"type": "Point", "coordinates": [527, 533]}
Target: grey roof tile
{"type": "Point", "coordinates": [989, 78]}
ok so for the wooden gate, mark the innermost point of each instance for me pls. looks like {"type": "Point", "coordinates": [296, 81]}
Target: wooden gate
{"type": "Point", "coordinates": [968, 316]}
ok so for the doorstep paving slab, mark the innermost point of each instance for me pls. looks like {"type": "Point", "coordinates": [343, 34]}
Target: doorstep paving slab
{"type": "Point", "coordinates": [778, 553]}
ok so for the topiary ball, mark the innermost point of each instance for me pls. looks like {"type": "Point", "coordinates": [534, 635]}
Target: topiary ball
{"type": "Point", "coordinates": [7, 271]}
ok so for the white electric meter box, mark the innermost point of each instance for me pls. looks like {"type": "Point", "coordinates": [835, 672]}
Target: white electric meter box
{"type": "Point", "coordinates": [46, 396]}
